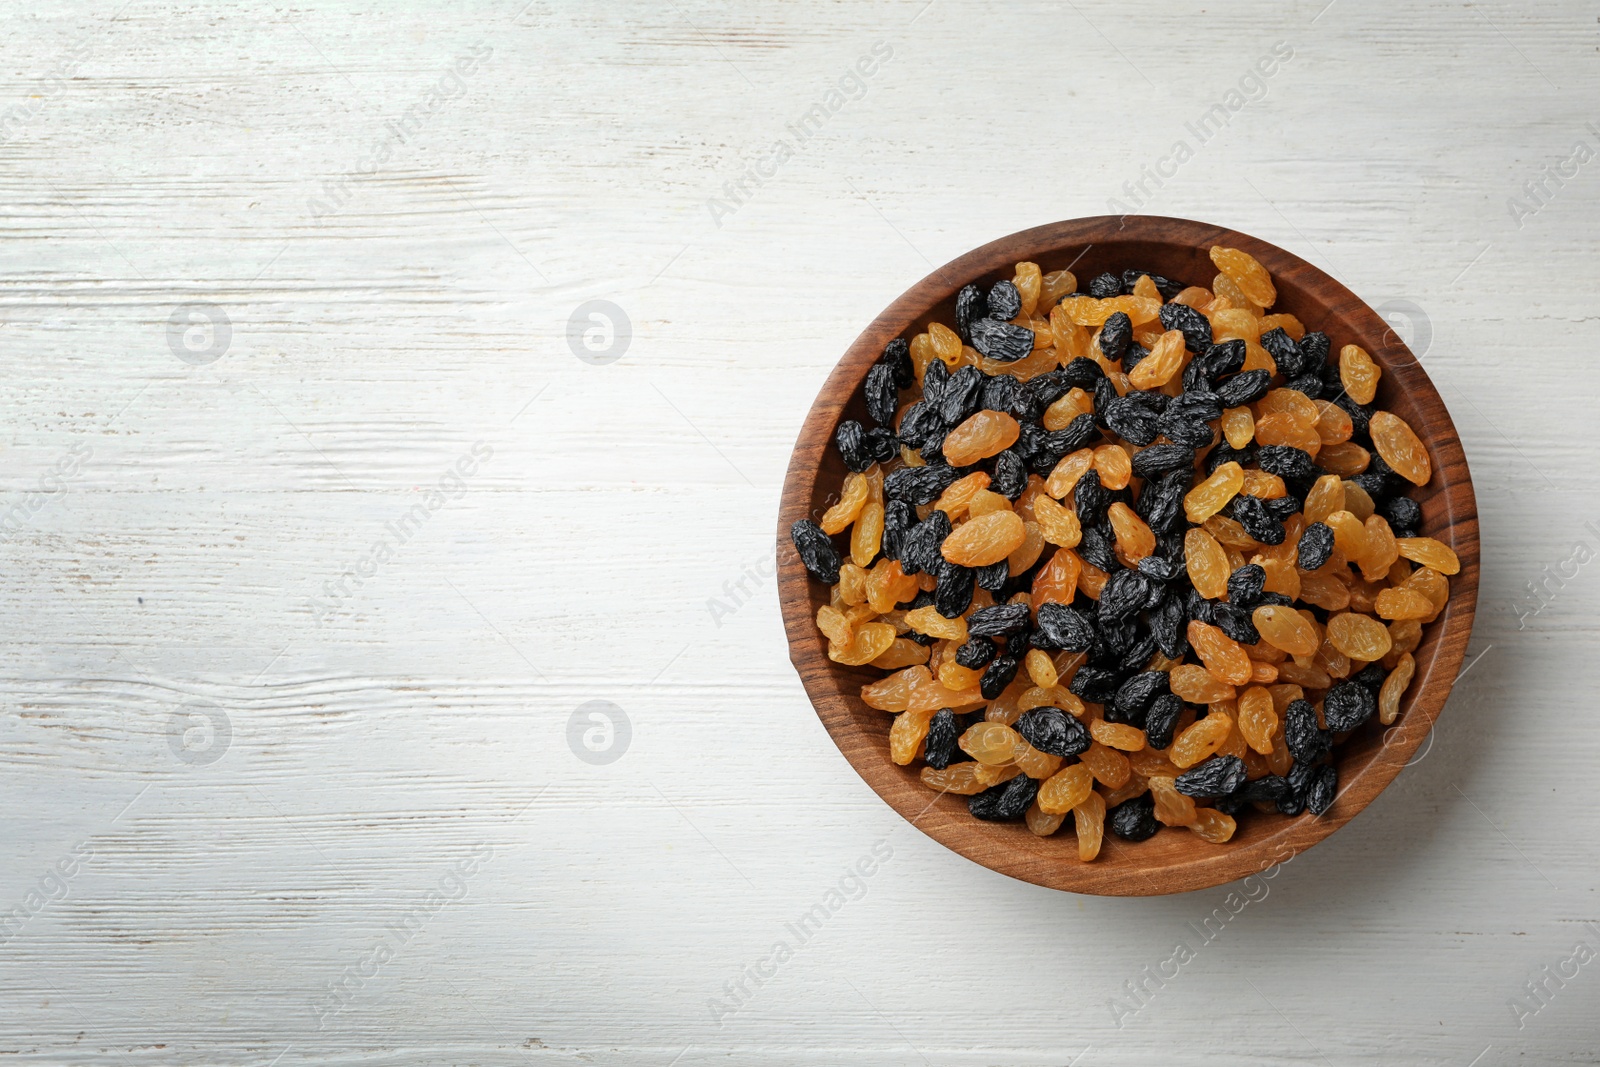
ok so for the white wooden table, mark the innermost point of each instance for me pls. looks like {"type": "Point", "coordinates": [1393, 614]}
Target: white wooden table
{"type": "Point", "coordinates": [322, 536]}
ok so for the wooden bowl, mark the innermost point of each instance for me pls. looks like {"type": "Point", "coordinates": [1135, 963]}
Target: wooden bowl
{"type": "Point", "coordinates": [1173, 860]}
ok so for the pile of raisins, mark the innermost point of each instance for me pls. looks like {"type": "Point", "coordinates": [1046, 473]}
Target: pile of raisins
{"type": "Point", "coordinates": [1143, 554]}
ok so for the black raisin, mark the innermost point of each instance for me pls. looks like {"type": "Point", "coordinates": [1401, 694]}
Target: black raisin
{"type": "Point", "coordinates": [1065, 627]}
{"type": "Point", "coordinates": [1215, 777]}
{"type": "Point", "coordinates": [1104, 286]}
{"type": "Point", "coordinates": [1195, 327]}
{"type": "Point", "coordinates": [1162, 720]}
{"type": "Point", "coordinates": [919, 485]}
{"type": "Point", "coordinates": [1165, 286]}
{"type": "Point", "coordinates": [1134, 696]}
{"type": "Point", "coordinates": [1323, 788]}
{"type": "Point", "coordinates": [998, 621]}
{"type": "Point", "coordinates": [940, 746]}
{"type": "Point", "coordinates": [1160, 568]}
{"type": "Point", "coordinates": [1091, 499]}
{"type": "Point", "coordinates": [1402, 513]}
{"type": "Point", "coordinates": [1004, 301]}
{"type": "Point", "coordinates": [1006, 801]}
{"type": "Point", "coordinates": [1226, 453]}
{"type": "Point", "coordinates": [1371, 676]}
{"type": "Point", "coordinates": [1131, 419]}
{"type": "Point", "coordinates": [1235, 622]}
{"type": "Point", "coordinates": [1160, 504]}
{"type": "Point", "coordinates": [1244, 388]}
{"type": "Point", "coordinates": [953, 595]}
{"type": "Point", "coordinates": [994, 576]}
{"type": "Point", "coordinates": [851, 439]}
{"type": "Point", "coordinates": [1268, 789]}
{"type": "Point", "coordinates": [1251, 513]}
{"type": "Point", "coordinates": [975, 652]}
{"type": "Point", "coordinates": [1095, 684]}
{"type": "Point", "coordinates": [960, 397]}
{"type": "Point", "coordinates": [1198, 607]}
{"type": "Point", "coordinates": [933, 381]}
{"type": "Point", "coordinates": [1001, 340]}
{"type": "Point", "coordinates": [997, 675]}
{"type": "Point", "coordinates": [1123, 594]}
{"type": "Point", "coordinates": [1306, 740]}
{"type": "Point", "coordinates": [970, 305]}
{"type": "Point", "coordinates": [1053, 732]}
{"type": "Point", "coordinates": [1285, 352]}
{"type": "Point", "coordinates": [1082, 372]}
{"type": "Point", "coordinates": [897, 357]}
{"type": "Point", "coordinates": [1010, 475]}
{"type": "Point", "coordinates": [1246, 584]}
{"type": "Point", "coordinates": [1348, 705]}
{"type": "Point", "coordinates": [1316, 546]}
{"type": "Point", "coordinates": [1135, 819]}
{"type": "Point", "coordinates": [1186, 432]}
{"type": "Point", "coordinates": [1115, 336]}
{"type": "Point", "coordinates": [816, 551]}
{"type": "Point", "coordinates": [898, 519]}
{"type": "Point", "coordinates": [919, 549]}
{"type": "Point", "coordinates": [1158, 459]}
{"type": "Point", "coordinates": [1316, 347]}
{"type": "Point", "coordinates": [882, 396]}
{"type": "Point", "coordinates": [999, 393]}
{"type": "Point", "coordinates": [1287, 462]}
{"type": "Point", "coordinates": [1167, 627]}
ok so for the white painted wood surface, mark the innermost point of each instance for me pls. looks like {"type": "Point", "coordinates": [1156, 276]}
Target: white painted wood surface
{"type": "Point", "coordinates": [374, 844]}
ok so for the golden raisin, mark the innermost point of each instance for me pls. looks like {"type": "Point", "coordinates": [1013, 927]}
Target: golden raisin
{"type": "Point", "coordinates": [1195, 684]}
{"type": "Point", "coordinates": [1430, 553]}
{"type": "Point", "coordinates": [1358, 374]}
{"type": "Point", "coordinates": [1285, 628]}
{"type": "Point", "coordinates": [1213, 825]}
{"type": "Point", "coordinates": [984, 540]}
{"type": "Point", "coordinates": [1065, 789]}
{"type": "Point", "coordinates": [1394, 687]}
{"type": "Point", "coordinates": [1134, 537]}
{"type": "Point", "coordinates": [1222, 655]}
{"type": "Point", "coordinates": [1358, 636]}
{"type": "Point", "coordinates": [1172, 807]}
{"type": "Point", "coordinates": [1058, 524]}
{"type": "Point", "coordinates": [985, 434]}
{"type": "Point", "coordinates": [1257, 720]}
{"type": "Point", "coordinates": [1400, 447]}
{"type": "Point", "coordinates": [1161, 365]}
{"type": "Point", "coordinates": [1113, 465]}
{"type": "Point", "coordinates": [1089, 820]}
{"type": "Point", "coordinates": [1201, 739]}
{"type": "Point", "coordinates": [1206, 562]}
{"type": "Point", "coordinates": [852, 497]}
{"type": "Point", "coordinates": [1213, 494]}
{"type": "Point", "coordinates": [1118, 735]}
{"type": "Point", "coordinates": [1245, 272]}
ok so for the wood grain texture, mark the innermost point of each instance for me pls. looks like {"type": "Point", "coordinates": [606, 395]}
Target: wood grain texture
{"type": "Point", "coordinates": [617, 545]}
{"type": "Point", "coordinates": [1171, 862]}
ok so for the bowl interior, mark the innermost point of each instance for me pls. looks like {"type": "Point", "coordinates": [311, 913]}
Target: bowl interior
{"type": "Point", "coordinates": [1174, 860]}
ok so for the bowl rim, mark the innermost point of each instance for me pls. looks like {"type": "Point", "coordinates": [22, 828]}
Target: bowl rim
{"type": "Point", "coordinates": [979, 841]}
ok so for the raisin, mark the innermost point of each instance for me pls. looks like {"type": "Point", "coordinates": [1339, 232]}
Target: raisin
{"type": "Point", "coordinates": [1400, 447]}
{"type": "Point", "coordinates": [1134, 819]}
{"type": "Point", "coordinates": [1251, 513]}
{"type": "Point", "coordinates": [1289, 357]}
{"type": "Point", "coordinates": [921, 423]}
{"type": "Point", "coordinates": [999, 393]}
{"type": "Point", "coordinates": [897, 357]}
{"type": "Point", "coordinates": [882, 396]}
{"type": "Point", "coordinates": [1131, 419]}
{"type": "Point", "coordinates": [1268, 789]}
{"type": "Point", "coordinates": [1010, 475]}
{"type": "Point", "coordinates": [1167, 627]}
{"type": "Point", "coordinates": [1287, 462]}
{"type": "Point", "coordinates": [1065, 627]}
{"type": "Point", "coordinates": [976, 652]}
{"type": "Point", "coordinates": [898, 519]}
{"type": "Point", "coordinates": [1197, 607]}
{"type": "Point", "coordinates": [940, 744]}
{"type": "Point", "coordinates": [1162, 720]}
{"type": "Point", "coordinates": [1323, 788]}
{"type": "Point", "coordinates": [953, 595]}
{"type": "Point", "coordinates": [997, 675]}
{"type": "Point", "coordinates": [1115, 336]}
{"type": "Point", "coordinates": [1347, 706]}
{"type": "Point", "coordinates": [1403, 513]}
{"type": "Point", "coordinates": [1004, 301]}
{"type": "Point", "coordinates": [1244, 388]}
{"type": "Point", "coordinates": [919, 551]}
{"type": "Point", "coordinates": [1306, 740]}
{"type": "Point", "coordinates": [998, 621]}
{"type": "Point", "coordinates": [1105, 286]}
{"type": "Point", "coordinates": [1053, 732]}
{"type": "Point", "coordinates": [1159, 459]}
{"type": "Point", "coordinates": [1095, 548]}
{"type": "Point", "coordinates": [882, 445]}
{"type": "Point", "coordinates": [1195, 327]}
{"type": "Point", "coordinates": [984, 434]}
{"type": "Point", "coordinates": [1091, 499]}
{"type": "Point", "coordinates": [1006, 801]}
{"type": "Point", "coordinates": [970, 305]}
{"type": "Point", "coordinates": [1001, 341]}
{"type": "Point", "coordinates": [1134, 696]}
{"type": "Point", "coordinates": [1160, 568]}
{"type": "Point", "coordinates": [1123, 594]}
{"type": "Point", "coordinates": [1095, 684]}
{"type": "Point", "coordinates": [851, 439]}
{"type": "Point", "coordinates": [1247, 273]}
{"type": "Point", "coordinates": [934, 380]}
{"type": "Point", "coordinates": [1246, 584]}
{"type": "Point", "coordinates": [1165, 286]}
{"type": "Point", "coordinates": [1236, 623]}
{"type": "Point", "coordinates": [1160, 505]}
{"type": "Point", "coordinates": [816, 550]}
{"type": "Point", "coordinates": [1214, 777]}
{"type": "Point", "coordinates": [994, 576]}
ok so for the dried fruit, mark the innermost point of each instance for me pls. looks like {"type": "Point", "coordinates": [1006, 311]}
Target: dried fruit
{"type": "Point", "coordinates": [1358, 374]}
{"type": "Point", "coordinates": [985, 434]}
{"type": "Point", "coordinates": [1089, 820]}
{"type": "Point", "coordinates": [1134, 819]}
{"type": "Point", "coordinates": [1201, 739]}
